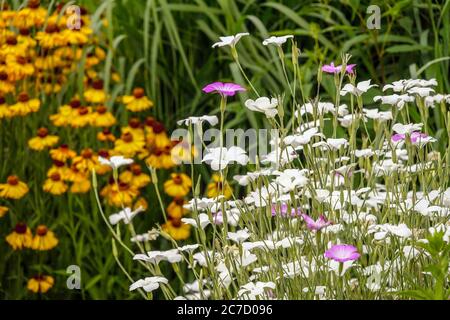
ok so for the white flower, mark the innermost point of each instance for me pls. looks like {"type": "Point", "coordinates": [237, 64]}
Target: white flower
{"type": "Point", "coordinates": [239, 236]}
{"type": "Point", "coordinates": [332, 143]}
{"type": "Point", "coordinates": [148, 284]}
{"type": "Point", "coordinates": [255, 289]}
{"type": "Point", "coordinates": [219, 158]}
{"type": "Point", "coordinates": [125, 215]}
{"type": "Point", "coordinates": [201, 203]}
{"type": "Point", "coordinates": [212, 120]}
{"type": "Point", "coordinates": [403, 85]}
{"type": "Point", "coordinates": [375, 114]}
{"type": "Point", "coordinates": [407, 128]}
{"type": "Point", "coordinates": [172, 256]}
{"type": "Point", "coordinates": [381, 231]}
{"type": "Point", "coordinates": [203, 220]}
{"type": "Point", "coordinates": [301, 139]}
{"type": "Point", "coordinates": [395, 100]}
{"type": "Point", "coordinates": [360, 88]}
{"type": "Point", "coordinates": [244, 180]}
{"type": "Point", "coordinates": [280, 156]}
{"type": "Point", "coordinates": [263, 104]}
{"type": "Point", "coordinates": [363, 153]}
{"type": "Point", "coordinates": [319, 108]}
{"type": "Point", "coordinates": [229, 40]}
{"type": "Point", "coordinates": [189, 247]}
{"type": "Point", "coordinates": [115, 161]}
{"type": "Point", "coordinates": [422, 92]}
{"type": "Point", "coordinates": [277, 40]}
{"type": "Point", "coordinates": [290, 179]}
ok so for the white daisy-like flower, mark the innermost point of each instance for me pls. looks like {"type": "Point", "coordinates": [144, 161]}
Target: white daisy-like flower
{"type": "Point", "coordinates": [212, 120]}
{"type": "Point", "coordinates": [149, 284]}
{"type": "Point", "coordinates": [278, 41]}
{"type": "Point", "coordinates": [229, 40]}
{"type": "Point", "coordinates": [263, 104]}
{"type": "Point", "coordinates": [219, 158]}
{"type": "Point", "coordinates": [125, 215]}
{"type": "Point", "coordinates": [115, 161]}
{"type": "Point", "coordinates": [360, 88]}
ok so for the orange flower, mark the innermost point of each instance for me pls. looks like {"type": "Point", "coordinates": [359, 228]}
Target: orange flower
{"type": "Point", "coordinates": [138, 101]}
{"type": "Point", "coordinates": [13, 189]}
{"type": "Point", "coordinates": [178, 186]}
{"type": "Point", "coordinates": [43, 140]}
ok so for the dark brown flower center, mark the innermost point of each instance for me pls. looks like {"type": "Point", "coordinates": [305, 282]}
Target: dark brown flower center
{"type": "Point", "coordinates": [177, 179]}
{"type": "Point", "coordinates": [3, 76]}
{"type": "Point", "coordinates": [136, 169]}
{"type": "Point", "coordinates": [123, 186]}
{"type": "Point", "coordinates": [134, 123]}
{"type": "Point", "coordinates": [51, 28]}
{"type": "Point", "coordinates": [13, 180]}
{"type": "Point", "coordinates": [127, 137]}
{"type": "Point", "coordinates": [87, 153]}
{"type": "Point", "coordinates": [24, 31]}
{"type": "Point", "coordinates": [103, 153]}
{"type": "Point", "coordinates": [179, 201]}
{"type": "Point", "coordinates": [55, 177]}
{"type": "Point", "coordinates": [42, 132]}
{"type": "Point", "coordinates": [101, 110]}
{"type": "Point", "coordinates": [23, 97]}
{"type": "Point", "coordinates": [158, 127]}
{"type": "Point", "coordinates": [2, 100]}
{"type": "Point", "coordinates": [34, 4]}
{"type": "Point", "coordinates": [97, 85]}
{"type": "Point", "coordinates": [11, 40]}
{"type": "Point", "coordinates": [21, 228]}
{"type": "Point", "coordinates": [138, 93]}
{"type": "Point", "coordinates": [58, 163]}
{"type": "Point", "coordinates": [176, 223]}
{"type": "Point", "coordinates": [83, 111]}
{"type": "Point", "coordinates": [149, 121]}
{"type": "Point", "coordinates": [75, 103]}
{"type": "Point", "coordinates": [41, 230]}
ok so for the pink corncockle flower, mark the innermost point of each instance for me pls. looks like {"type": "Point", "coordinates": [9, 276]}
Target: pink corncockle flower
{"type": "Point", "coordinates": [331, 68]}
{"type": "Point", "coordinates": [342, 253]}
{"type": "Point", "coordinates": [224, 89]}
{"type": "Point", "coordinates": [416, 137]}
{"type": "Point", "coordinates": [320, 223]}
{"type": "Point", "coordinates": [283, 212]}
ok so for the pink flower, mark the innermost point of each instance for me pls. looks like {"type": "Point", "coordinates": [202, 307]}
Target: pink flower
{"type": "Point", "coordinates": [342, 253]}
{"type": "Point", "coordinates": [224, 89]}
{"type": "Point", "coordinates": [320, 223]}
{"type": "Point", "coordinates": [331, 68]}
{"type": "Point", "coordinates": [416, 137]}
{"type": "Point", "coordinates": [284, 211]}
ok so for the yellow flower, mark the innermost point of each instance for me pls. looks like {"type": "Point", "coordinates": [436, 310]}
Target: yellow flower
{"type": "Point", "coordinates": [31, 16]}
{"type": "Point", "coordinates": [25, 105]}
{"type": "Point", "coordinates": [3, 211]}
{"type": "Point", "coordinates": [177, 229]}
{"type": "Point", "coordinates": [5, 112]}
{"type": "Point", "coordinates": [119, 195]}
{"type": "Point", "coordinates": [141, 202]}
{"type": "Point", "coordinates": [43, 140]}
{"type": "Point", "coordinates": [176, 209]}
{"type": "Point", "coordinates": [214, 188]}
{"type": "Point", "coordinates": [50, 37]}
{"type": "Point", "coordinates": [103, 168]}
{"type": "Point", "coordinates": [63, 153]}
{"type": "Point", "coordinates": [13, 188]}
{"type": "Point", "coordinates": [86, 161]}
{"type": "Point", "coordinates": [128, 145]}
{"type": "Point", "coordinates": [135, 176]}
{"type": "Point", "coordinates": [20, 238]}
{"type": "Point", "coordinates": [82, 117]}
{"type": "Point", "coordinates": [96, 94]}
{"type": "Point", "coordinates": [60, 168]}
{"type": "Point", "coordinates": [40, 284]}
{"type": "Point", "coordinates": [103, 118]}
{"type": "Point", "coordinates": [182, 152]}
{"type": "Point", "coordinates": [44, 239]}
{"type": "Point", "coordinates": [157, 136]}
{"type": "Point", "coordinates": [138, 101]}
{"type": "Point", "coordinates": [19, 67]}
{"type": "Point", "coordinates": [135, 128]}
{"type": "Point", "coordinates": [5, 85]}
{"type": "Point", "coordinates": [81, 186]}
{"type": "Point", "coordinates": [178, 186]}
{"type": "Point", "coordinates": [161, 158]}
{"type": "Point", "coordinates": [106, 135]}
{"type": "Point", "coordinates": [55, 184]}
{"type": "Point", "coordinates": [77, 37]}
{"type": "Point", "coordinates": [66, 113]}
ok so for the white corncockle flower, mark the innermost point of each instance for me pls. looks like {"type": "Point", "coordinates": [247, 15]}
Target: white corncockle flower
{"type": "Point", "coordinates": [244, 180]}
{"type": "Point", "coordinates": [381, 231]}
{"type": "Point", "coordinates": [189, 247]}
{"type": "Point", "coordinates": [255, 289]}
{"type": "Point", "coordinates": [229, 40]}
{"type": "Point", "coordinates": [375, 114]}
{"type": "Point", "coordinates": [303, 138]}
{"type": "Point", "coordinates": [347, 120]}
{"type": "Point", "coordinates": [290, 179]}
{"type": "Point", "coordinates": [360, 88]}
{"type": "Point", "coordinates": [148, 284]}
{"type": "Point", "coordinates": [319, 107]}
{"type": "Point", "coordinates": [386, 167]}
{"type": "Point", "coordinates": [277, 40]}
{"type": "Point", "coordinates": [173, 256]}
{"type": "Point", "coordinates": [219, 158]}
{"type": "Point", "coordinates": [201, 203]}
{"type": "Point", "coordinates": [263, 104]}
{"type": "Point", "coordinates": [288, 242]}
{"type": "Point", "coordinates": [200, 257]}
{"type": "Point", "coordinates": [239, 236]}
{"type": "Point", "coordinates": [115, 161]}
{"type": "Point", "coordinates": [407, 128]}
{"type": "Point", "coordinates": [335, 144]}
{"type": "Point", "coordinates": [280, 156]}
{"type": "Point", "coordinates": [212, 120]}
{"type": "Point", "coordinates": [405, 84]}
{"type": "Point", "coordinates": [363, 153]}
{"type": "Point", "coordinates": [263, 196]}
{"type": "Point", "coordinates": [411, 252]}
{"type": "Point", "coordinates": [422, 92]}
{"type": "Point", "coordinates": [203, 220]}
{"type": "Point", "coordinates": [125, 215]}
{"type": "Point", "coordinates": [195, 286]}
{"type": "Point", "coordinates": [233, 216]}
{"type": "Point", "coordinates": [395, 100]}
{"type": "Point", "coordinates": [141, 237]}
{"type": "Point", "coordinates": [431, 101]}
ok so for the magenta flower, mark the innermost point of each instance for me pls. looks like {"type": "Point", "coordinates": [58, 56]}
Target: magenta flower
{"type": "Point", "coordinates": [331, 68]}
{"type": "Point", "coordinates": [342, 253]}
{"type": "Point", "coordinates": [320, 223]}
{"type": "Point", "coordinates": [284, 211]}
{"type": "Point", "coordinates": [416, 137]}
{"type": "Point", "coordinates": [224, 89]}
